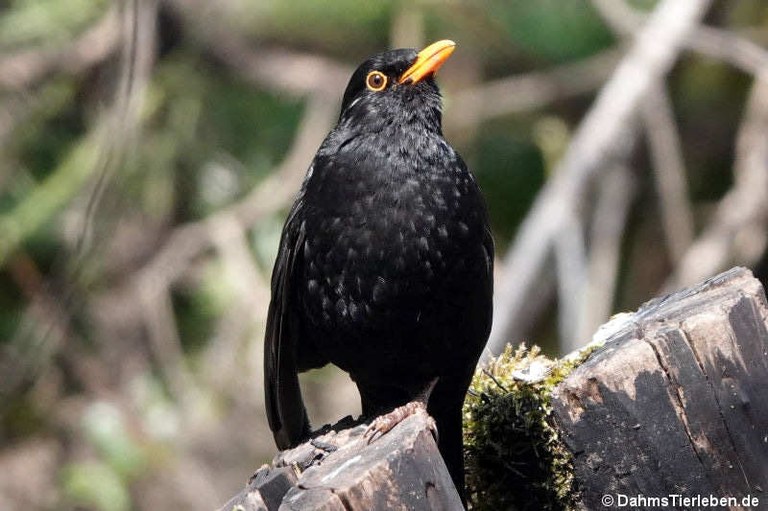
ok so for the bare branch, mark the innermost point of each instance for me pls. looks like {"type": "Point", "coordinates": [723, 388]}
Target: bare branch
{"type": "Point", "coordinates": [737, 233]}
{"type": "Point", "coordinates": [719, 44]}
{"type": "Point", "coordinates": [160, 321]}
{"type": "Point", "coordinates": [139, 38]}
{"type": "Point", "coordinates": [530, 91]}
{"type": "Point", "coordinates": [191, 240]}
{"type": "Point", "coordinates": [21, 70]}
{"type": "Point", "coordinates": [722, 45]}
{"type": "Point", "coordinates": [571, 262]}
{"type": "Point", "coordinates": [669, 171]}
{"type": "Point", "coordinates": [614, 201]}
{"type": "Point", "coordinates": [279, 70]}
{"type": "Point", "coordinates": [243, 321]}
{"type": "Point", "coordinates": [407, 26]}
{"type": "Point", "coordinates": [664, 140]}
{"type": "Point", "coordinates": [43, 329]}
{"type": "Point", "coordinates": [601, 138]}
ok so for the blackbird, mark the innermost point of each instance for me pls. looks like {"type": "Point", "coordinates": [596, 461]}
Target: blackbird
{"type": "Point", "coordinates": [385, 262]}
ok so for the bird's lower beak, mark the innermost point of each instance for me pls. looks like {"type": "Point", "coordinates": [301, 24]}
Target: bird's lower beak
{"type": "Point", "coordinates": [428, 61]}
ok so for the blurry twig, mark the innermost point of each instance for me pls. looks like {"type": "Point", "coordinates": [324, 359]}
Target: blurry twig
{"type": "Point", "coordinates": [599, 140]}
{"type": "Point", "coordinates": [225, 230]}
{"type": "Point", "coordinates": [669, 171]}
{"type": "Point", "coordinates": [191, 240]}
{"type": "Point", "coordinates": [737, 233]}
{"type": "Point", "coordinates": [614, 201]}
{"type": "Point", "coordinates": [407, 26]}
{"type": "Point", "coordinates": [21, 70]}
{"type": "Point", "coordinates": [282, 71]}
{"type": "Point", "coordinates": [242, 321]}
{"type": "Point", "coordinates": [139, 18]}
{"type": "Point", "coordinates": [13, 111]}
{"type": "Point", "coordinates": [737, 51]}
{"type": "Point", "coordinates": [45, 324]}
{"type": "Point", "coordinates": [165, 343]}
{"type": "Point", "coordinates": [51, 195]}
{"type": "Point", "coordinates": [43, 328]}
{"type": "Point", "coordinates": [719, 44]}
{"type": "Point", "coordinates": [532, 90]}
{"type": "Point", "coordinates": [663, 139]}
{"type": "Point", "coordinates": [571, 262]}
{"type": "Point", "coordinates": [97, 153]}
{"type": "Point", "coordinates": [279, 70]}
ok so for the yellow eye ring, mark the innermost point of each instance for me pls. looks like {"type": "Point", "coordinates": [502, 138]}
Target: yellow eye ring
{"type": "Point", "coordinates": [376, 81]}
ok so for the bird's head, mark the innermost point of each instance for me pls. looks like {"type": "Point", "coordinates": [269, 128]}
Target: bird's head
{"type": "Point", "coordinates": [396, 86]}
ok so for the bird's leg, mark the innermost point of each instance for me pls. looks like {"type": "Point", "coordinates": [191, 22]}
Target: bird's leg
{"type": "Point", "coordinates": [383, 423]}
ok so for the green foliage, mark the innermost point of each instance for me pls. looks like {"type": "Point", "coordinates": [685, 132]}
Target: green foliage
{"type": "Point", "coordinates": [55, 123]}
{"type": "Point", "coordinates": [105, 428]}
{"type": "Point", "coordinates": [44, 200]}
{"type": "Point", "coordinates": [510, 170]}
{"type": "Point", "coordinates": [515, 457]}
{"type": "Point", "coordinates": [334, 23]}
{"type": "Point", "coordinates": [95, 485]}
{"type": "Point", "coordinates": [47, 21]}
{"type": "Point", "coordinates": [709, 100]}
{"type": "Point", "coordinates": [208, 139]}
{"type": "Point", "coordinates": [198, 308]}
{"type": "Point", "coordinates": [553, 30]}
{"type": "Point", "coordinates": [235, 123]}
{"type": "Point", "coordinates": [102, 484]}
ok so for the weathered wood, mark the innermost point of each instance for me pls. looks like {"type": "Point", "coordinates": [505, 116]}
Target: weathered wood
{"type": "Point", "coordinates": [340, 471]}
{"type": "Point", "coordinates": [676, 402]}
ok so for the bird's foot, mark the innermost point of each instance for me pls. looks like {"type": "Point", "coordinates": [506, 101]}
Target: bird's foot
{"type": "Point", "coordinates": [384, 423]}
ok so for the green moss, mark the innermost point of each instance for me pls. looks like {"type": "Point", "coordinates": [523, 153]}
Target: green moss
{"type": "Point", "coordinates": [515, 456]}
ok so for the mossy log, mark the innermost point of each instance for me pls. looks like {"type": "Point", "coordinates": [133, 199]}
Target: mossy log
{"type": "Point", "coordinates": [671, 400]}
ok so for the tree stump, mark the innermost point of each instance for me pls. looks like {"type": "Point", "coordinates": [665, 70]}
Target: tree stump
{"type": "Point", "coordinates": [341, 471]}
{"type": "Point", "coordinates": [675, 402]}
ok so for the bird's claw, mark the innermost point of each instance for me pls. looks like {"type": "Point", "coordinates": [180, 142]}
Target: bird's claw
{"type": "Point", "coordinates": [432, 425]}
{"type": "Point", "coordinates": [384, 423]}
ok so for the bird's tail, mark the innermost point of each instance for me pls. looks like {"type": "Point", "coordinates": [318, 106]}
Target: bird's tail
{"type": "Point", "coordinates": [282, 395]}
{"type": "Point", "coordinates": [286, 413]}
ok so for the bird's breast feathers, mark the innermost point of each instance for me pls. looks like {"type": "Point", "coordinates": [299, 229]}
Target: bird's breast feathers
{"type": "Point", "coordinates": [384, 250]}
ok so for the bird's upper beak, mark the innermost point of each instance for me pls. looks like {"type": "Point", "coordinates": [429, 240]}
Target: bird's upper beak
{"type": "Point", "coordinates": [428, 61]}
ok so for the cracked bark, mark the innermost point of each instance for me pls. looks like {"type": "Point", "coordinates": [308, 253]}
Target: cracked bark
{"type": "Point", "coordinates": [676, 401]}
{"type": "Point", "coordinates": [341, 471]}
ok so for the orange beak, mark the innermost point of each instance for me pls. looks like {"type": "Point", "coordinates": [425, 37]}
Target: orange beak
{"type": "Point", "coordinates": [428, 61]}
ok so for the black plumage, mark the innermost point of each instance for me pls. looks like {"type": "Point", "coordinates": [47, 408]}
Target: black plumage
{"type": "Point", "coordinates": [386, 259]}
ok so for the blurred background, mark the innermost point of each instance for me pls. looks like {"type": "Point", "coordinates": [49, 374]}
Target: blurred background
{"type": "Point", "coordinates": [150, 149]}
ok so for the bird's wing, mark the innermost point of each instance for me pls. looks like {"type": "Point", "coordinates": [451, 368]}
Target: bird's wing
{"type": "Point", "coordinates": [489, 248]}
{"type": "Point", "coordinates": [285, 408]}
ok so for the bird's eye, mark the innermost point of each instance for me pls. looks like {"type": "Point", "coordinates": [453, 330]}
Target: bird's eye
{"type": "Point", "coordinates": [376, 81]}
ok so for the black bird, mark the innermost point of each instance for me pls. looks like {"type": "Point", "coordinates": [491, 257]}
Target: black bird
{"type": "Point", "coordinates": [386, 260]}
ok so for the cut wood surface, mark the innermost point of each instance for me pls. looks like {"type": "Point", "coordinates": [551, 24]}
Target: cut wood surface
{"type": "Point", "coordinates": [402, 470]}
{"type": "Point", "coordinates": [676, 402]}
